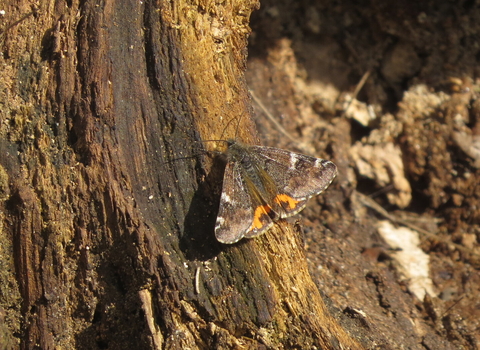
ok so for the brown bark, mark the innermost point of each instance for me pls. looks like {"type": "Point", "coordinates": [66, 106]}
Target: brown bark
{"type": "Point", "coordinates": [108, 220]}
{"type": "Point", "coordinates": [108, 198]}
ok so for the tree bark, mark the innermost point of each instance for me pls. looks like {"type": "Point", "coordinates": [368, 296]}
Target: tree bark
{"type": "Point", "coordinates": [109, 203]}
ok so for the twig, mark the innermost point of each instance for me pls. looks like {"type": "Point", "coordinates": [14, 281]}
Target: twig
{"type": "Point", "coordinates": [370, 203]}
{"type": "Point", "coordinates": [272, 119]}
{"type": "Point", "coordinates": [359, 87]}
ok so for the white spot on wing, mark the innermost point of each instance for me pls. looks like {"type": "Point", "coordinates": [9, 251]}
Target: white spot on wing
{"type": "Point", "coordinates": [293, 161]}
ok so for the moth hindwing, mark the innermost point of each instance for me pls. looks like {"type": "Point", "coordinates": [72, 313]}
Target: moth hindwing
{"type": "Point", "coordinates": [262, 184]}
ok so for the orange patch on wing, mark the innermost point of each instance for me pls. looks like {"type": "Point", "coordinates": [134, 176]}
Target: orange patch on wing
{"type": "Point", "coordinates": [283, 198]}
{"type": "Point", "coordinates": [257, 216]}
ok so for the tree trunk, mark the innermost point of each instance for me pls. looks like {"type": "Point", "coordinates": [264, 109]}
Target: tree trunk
{"type": "Point", "coordinates": [110, 206]}
{"type": "Point", "coordinates": [110, 180]}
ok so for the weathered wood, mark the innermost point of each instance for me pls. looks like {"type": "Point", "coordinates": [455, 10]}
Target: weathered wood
{"type": "Point", "coordinates": [109, 218]}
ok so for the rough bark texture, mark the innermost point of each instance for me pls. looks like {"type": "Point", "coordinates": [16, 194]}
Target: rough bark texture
{"type": "Point", "coordinates": [110, 236]}
{"type": "Point", "coordinates": [108, 200]}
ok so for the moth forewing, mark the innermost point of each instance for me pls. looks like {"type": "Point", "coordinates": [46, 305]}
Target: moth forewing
{"type": "Point", "coordinates": [262, 184]}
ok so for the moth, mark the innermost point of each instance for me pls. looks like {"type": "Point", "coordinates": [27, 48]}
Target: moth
{"type": "Point", "coordinates": [263, 184]}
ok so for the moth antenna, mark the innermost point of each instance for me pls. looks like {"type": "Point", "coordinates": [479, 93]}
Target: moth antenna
{"type": "Point", "coordinates": [238, 126]}
{"type": "Point", "coordinates": [213, 140]}
{"type": "Point", "coordinates": [228, 124]}
{"type": "Point", "coordinates": [224, 141]}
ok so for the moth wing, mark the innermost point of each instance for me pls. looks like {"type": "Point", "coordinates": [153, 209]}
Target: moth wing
{"type": "Point", "coordinates": [263, 213]}
{"type": "Point", "coordinates": [235, 214]}
{"type": "Point", "coordinates": [297, 177]}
